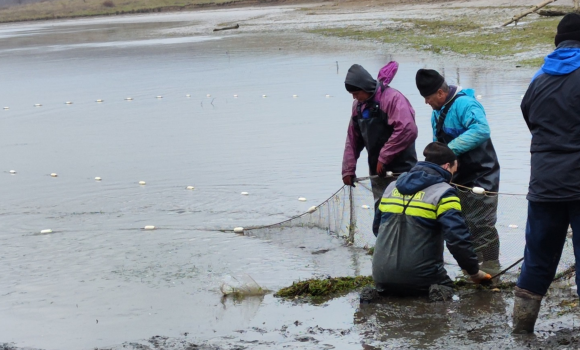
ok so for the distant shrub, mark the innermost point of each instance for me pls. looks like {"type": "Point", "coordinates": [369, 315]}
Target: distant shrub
{"type": "Point", "coordinates": [108, 3]}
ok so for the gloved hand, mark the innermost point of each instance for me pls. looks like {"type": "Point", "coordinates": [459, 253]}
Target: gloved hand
{"type": "Point", "coordinates": [481, 277]}
{"type": "Point", "coordinates": [349, 180]}
{"type": "Point", "coordinates": [381, 169]}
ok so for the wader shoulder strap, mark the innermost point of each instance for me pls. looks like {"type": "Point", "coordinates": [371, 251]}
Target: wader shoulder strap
{"type": "Point", "coordinates": [441, 120]}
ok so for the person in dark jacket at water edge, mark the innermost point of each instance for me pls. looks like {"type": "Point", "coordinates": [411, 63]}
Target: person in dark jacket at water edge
{"type": "Point", "coordinates": [416, 215]}
{"type": "Point", "coordinates": [383, 122]}
{"type": "Point", "coordinates": [551, 109]}
{"type": "Point", "coordinates": [459, 121]}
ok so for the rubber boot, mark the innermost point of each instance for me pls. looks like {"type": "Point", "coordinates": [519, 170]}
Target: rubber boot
{"type": "Point", "coordinates": [526, 309]}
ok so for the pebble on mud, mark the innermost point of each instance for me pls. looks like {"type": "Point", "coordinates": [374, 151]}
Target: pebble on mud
{"type": "Point", "coordinates": [54, 174]}
{"type": "Point", "coordinates": [43, 232]}
{"type": "Point", "coordinates": [12, 171]}
{"type": "Point", "coordinates": [302, 199]}
{"type": "Point", "coordinates": [238, 230]}
{"type": "Point", "coordinates": [142, 183]}
{"type": "Point", "coordinates": [149, 227]}
{"type": "Point", "coordinates": [98, 178]}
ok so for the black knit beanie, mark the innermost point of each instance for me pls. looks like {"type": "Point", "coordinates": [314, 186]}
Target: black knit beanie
{"type": "Point", "coordinates": [568, 28]}
{"type": "Point", "coordinates": [428, 81]}
{"type": "Point", "coordinates": [438, 153]}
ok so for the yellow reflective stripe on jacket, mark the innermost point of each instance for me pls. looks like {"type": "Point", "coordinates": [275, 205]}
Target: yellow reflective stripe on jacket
{"type": "Point", "coordinates": [447, 204]}
{"type": "Point", "coordinates": [419, 209]}
{"type": "Point", "coordinates": [413, 203]}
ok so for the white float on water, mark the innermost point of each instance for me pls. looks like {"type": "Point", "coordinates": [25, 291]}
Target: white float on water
{"type": "Point", "coordinates": [364, 206]}
{"type": "Point", "coordinates": [208, 95]}
{"type": "Point", "coordinates": [479, 97]}
{"type": "Point", "coordinates": [142, 182]}
{"type": "Point", "coordinates": [129, 99]}
{"type": "Point", "coordinates": [187, 95]}
{"type": "Point", "coordinates": [302, 199]}
{"type": "Point", "coordinates": [149, 227]}
{"type": "Point", "coordinates": [312, 209]}
{"type": "Point", "coordinates": [37, 105]}
{"type": "Point", "coordinates": [43, 232]}
{"type": "Point", "coordinates": [244, 193]}
{"type": "Point", "coordinates": [98, 178]}
{"type": "Point", "coordinates": [12, 171]}
{"type": "Point", "coordinates": [327, 95]}
{"type": "Point", "coordinates": [478, 190]}
{"type": "Point", "coordinates": [294, 96]}
{"type": "Point", "coordinates": [238, 230]}
{"type": "Point", "coordinates": [68, 103]}
{"type": "Point", "coordinates": [6, 107]}
{"type": "Point", "coordinates": [513, 226]}
{"type": "Point", "coordinates": [264, 96]}
{"type": "Point", "coordinates": [54, 174]}
{"type": "Point", "coordinates": [99, 101]}
{"type": "Point", "coordinates": [190, 188]}
{"type": "Point", "coordinates": [236, 95]}
{"type": "Point", "coordinates": [158, 96]}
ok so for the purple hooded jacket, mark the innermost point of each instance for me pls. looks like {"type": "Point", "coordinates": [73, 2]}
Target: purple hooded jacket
{"type": "Point", "coordinates": [401, 117]}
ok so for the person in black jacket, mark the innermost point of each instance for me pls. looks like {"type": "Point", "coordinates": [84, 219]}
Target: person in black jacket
{"type": "Point", "coordinates": [551, 109]}
{"type": "Point", "coordinates": [415, 216]}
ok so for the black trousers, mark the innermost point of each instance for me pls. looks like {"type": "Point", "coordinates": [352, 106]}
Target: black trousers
{"type": "Point", "coordinates": [480, 213]}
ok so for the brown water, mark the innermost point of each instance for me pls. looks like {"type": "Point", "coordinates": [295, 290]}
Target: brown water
{"type": "Point", "coordinates": [99, 280]}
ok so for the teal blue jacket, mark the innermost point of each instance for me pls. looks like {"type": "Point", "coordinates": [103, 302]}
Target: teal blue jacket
{"type": "Point", "coordinates": [465, 121]}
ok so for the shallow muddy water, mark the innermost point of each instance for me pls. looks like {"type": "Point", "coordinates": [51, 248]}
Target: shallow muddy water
{"type": "Point", "coordinates": [99, 279]}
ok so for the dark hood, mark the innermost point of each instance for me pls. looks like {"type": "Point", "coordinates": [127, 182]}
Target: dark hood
{"type": "Point", "coordinates": [421, 176]}
{"type": "Point", "coordinates": [359, 77]}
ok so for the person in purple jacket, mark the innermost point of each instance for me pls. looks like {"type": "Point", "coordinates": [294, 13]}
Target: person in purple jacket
{"type": "Point", "coordinates": [383, 122]}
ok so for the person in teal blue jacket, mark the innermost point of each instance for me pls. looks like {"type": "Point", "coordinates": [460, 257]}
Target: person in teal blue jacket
{"type": "Point", "coordinates": [459, 121]}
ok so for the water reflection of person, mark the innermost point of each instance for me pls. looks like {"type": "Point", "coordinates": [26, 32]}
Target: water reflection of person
{"type": "Point", "coordinates": [416, 215]}
{"type": "Point", "coordinates": [383, 122]}
{"type": "Point", "coordinates": [406, 322]}
{"type": "Point", "coordinates": [459, 121]}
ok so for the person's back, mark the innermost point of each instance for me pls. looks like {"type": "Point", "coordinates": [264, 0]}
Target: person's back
{"type": "Point", "coordinates": [415, 216]}
{"type": "Point", "coordinates": [551, 108]}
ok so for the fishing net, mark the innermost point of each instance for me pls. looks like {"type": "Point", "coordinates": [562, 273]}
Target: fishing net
{"type": "Point", "coordinates": [498, 241]}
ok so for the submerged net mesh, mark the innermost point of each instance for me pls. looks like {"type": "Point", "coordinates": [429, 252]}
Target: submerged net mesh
{"type": "Point", "coordinates": [349, 214]}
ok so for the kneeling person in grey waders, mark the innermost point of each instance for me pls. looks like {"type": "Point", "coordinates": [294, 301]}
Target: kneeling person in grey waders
{"type": "Point", "coordinates": [416, 215]}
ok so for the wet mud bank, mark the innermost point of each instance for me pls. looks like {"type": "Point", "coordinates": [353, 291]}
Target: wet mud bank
{"type": "Point", "coordinates": [475, 319]}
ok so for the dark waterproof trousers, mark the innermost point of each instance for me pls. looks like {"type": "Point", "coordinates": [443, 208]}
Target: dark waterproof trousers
{"type": "Point", "coordinates": [481, 215]}
{"type": "Point", "coordinates": [379, 185]}
{"type": "Point", "coordinates": [546, 231]}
